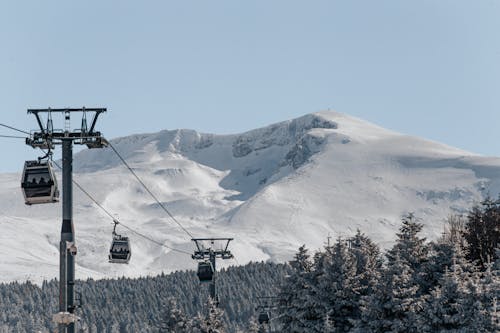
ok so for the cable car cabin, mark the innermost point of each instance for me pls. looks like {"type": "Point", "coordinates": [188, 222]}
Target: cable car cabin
{"type": "Point", "coordinates": [263, 317]}
{"type": "Point", "coordinates": [39, 183]}
{"type": "Point", "coordinates": [120, 250]}
{"type": "Point", "coordinates": [205, 271]}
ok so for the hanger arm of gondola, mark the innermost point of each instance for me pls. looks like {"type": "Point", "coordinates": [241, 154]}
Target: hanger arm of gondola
{"type": "Point", "coordinates": [94, 120]}
{"type": "Point", "coordinates": [39, 121]}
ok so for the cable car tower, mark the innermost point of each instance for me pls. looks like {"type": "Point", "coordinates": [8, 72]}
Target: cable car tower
{"type": "Point", "coordinates": [47, 138]}
{"type": "Point", "coordinates": [207, 255]}
{"type": "Point", "coordinates": [264, 309]}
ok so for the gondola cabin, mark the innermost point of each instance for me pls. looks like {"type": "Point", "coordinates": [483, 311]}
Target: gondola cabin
{"type": "Point", "coordinates": [263, 317]}
{"type": "Point", "coordinates": [39, 183]}
{"type": "Point", "coordinates": [205, 271]}
{"type": "Point", "coordinates": [120, 250]}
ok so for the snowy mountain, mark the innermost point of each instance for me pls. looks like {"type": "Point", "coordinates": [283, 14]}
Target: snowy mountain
{"type": "Point", "coordinates": [272, 189]}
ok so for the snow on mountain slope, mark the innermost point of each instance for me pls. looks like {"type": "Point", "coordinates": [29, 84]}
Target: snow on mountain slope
{"type": "Point", "coordinates": [272, 189]}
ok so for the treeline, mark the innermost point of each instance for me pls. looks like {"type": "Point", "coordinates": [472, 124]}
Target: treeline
{"type": "Point", "coordinates": [450, 285]}
{"type": "Point", "coordinates": [144, 304]}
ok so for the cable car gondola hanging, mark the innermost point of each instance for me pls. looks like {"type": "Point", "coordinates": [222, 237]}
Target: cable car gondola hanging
{"type": "Point", "coordinates": [205, 271]}
{"type": "Point", "coordinates": [263, 317]}
{"type": "Point", "coordinates": [39, 183]}
{"type": "Point", "coordinates": [120, 251]}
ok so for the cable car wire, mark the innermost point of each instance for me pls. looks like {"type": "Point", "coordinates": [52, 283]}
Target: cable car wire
{"type": "Point", "coordinates": [12, 136]}
{"type": "Point", "coordinates": [150, 193]}
{"type": "Point", "coordinates": [115, 219]}
{"type": "Point", "coordinates": [15, 129]}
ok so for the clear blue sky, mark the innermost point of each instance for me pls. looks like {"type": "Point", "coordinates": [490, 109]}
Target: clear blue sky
{"type": "Point", "coordinates": [428, 68]}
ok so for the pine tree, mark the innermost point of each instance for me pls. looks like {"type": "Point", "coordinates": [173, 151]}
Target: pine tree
{"type": "Point", "coordinates": [478, 307]}
{"type": "Point", "coordinates": [446, 309]}
{"type": "Point", "coordinates": [488, 294]}
{"type": "Point", "coordinates": [461, 300]}
{"type": "Point", "coordinates": [368, 262]}
{"type": "Point", "coordinates": [394, 305]}
{"type": "Point", "coordinates": [174, 320]}
{"type": "Point", "coordinates": [292, 311]}
{"type": "Point", "coordinates": [482, 232]}
{"type": "Point", "coordinates": [443, 254]}
{"type": "Point", "coordinates": [411, 249]}
{"type": "Point", "coordinates": [397, 299]}
{"type": "Point", "coordinates": [496, 296]}
{"type": "Point", "coordinates": [338, 289]}
{"type": "Point", "coordinates": [313, 313]}
{"type": "Point", "coordinates": [211, 322]}
{"type": "Point", "coordinates": [368, 272]}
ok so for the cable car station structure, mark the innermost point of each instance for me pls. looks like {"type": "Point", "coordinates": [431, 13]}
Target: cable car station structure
{"type": "Point", "coordinates": [38, 191]}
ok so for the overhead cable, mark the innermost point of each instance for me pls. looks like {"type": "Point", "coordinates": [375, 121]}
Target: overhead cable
{"type": "Point", "coordinates": [149, 191]}
{"type": "Point", "coordinates": [12, 136]}
{"type": "Point", "coordinates": [15, 129]}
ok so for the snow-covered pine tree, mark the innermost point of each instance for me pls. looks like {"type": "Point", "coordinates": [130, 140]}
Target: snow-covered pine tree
{"type": "Point", "coordinates": [496, 300]}
{"type": "Point", "coordinates": [368, 262]}
{"type": "Point", "coordinates": [314, 313]}
{"type": "Point", "coordinates": [368, 270]}
{"type": "Point", "coordinates": [211, 322]}
{"type": "Point", "coordinates": [478, 307]}
{"type": "Point", "coordinates": [293, 296]}
{"type": "Point", "coordinates": [446, 308]}
{"type": "Point", "coordinates": [443, 254]}
{"type": "Point", "coordinates": [394, 305]}
{"type": "Point", "coordinates": [489, 296]}
{"type": "Point", "coordinates": [337, 289]}
{"type": "Point", "coordinates": [174, 320]}
{"type": "Point", "coordinates": [400, 289]}
{"type": "Point", "coordinates": [412, 249]}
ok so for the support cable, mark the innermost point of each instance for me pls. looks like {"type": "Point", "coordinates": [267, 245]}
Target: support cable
{"type": "Point", "coordinates": [150, 193]}
{"type": "Point", "coordinates": [114, 219]}
{"type": "Point", "coordinates": [15, 129]}
{"type": "Point", "coordinates": [12, 136]}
